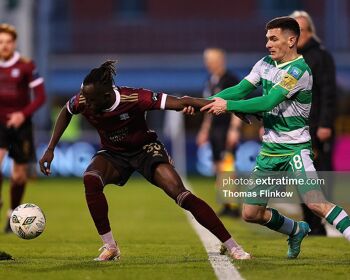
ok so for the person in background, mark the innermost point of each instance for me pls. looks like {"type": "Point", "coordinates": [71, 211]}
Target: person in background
{"type": "Point", "coordinates": [323, 109]}
{"type": "Point", "coordinates": [223, 131]}
{"type": "Point", "coordinates": [18, 78]}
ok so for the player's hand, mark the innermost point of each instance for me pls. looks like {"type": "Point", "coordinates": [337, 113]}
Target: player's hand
{"type": "Point", "coordinates": [324, 133]}
{"type": "Point", "coordinates": [189, 110]}
{"type": "Point", "coordinates": [15, 119]}
{"type": "Point", "coordinates": [217, 107]}
{"type": "Point", "coordinates": [45, 162]}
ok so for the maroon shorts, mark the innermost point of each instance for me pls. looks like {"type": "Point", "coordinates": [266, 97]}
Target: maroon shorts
{"type": "Point", "coordinates": [143, 161]}
{"type": "Point", "coordinates": [18, 142]}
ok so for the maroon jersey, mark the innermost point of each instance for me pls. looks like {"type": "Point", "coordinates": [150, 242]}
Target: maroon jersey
{"type": "Point", "coordinates": [122, 128]}
{"type": "Point", "coordinates": [17, 76]}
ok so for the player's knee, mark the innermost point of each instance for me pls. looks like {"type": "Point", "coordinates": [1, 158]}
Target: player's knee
{"type": "Point", "coordinates": [19, 178]}
{"type": "Point", "coordinates": [93, 182]}
{"type": "Point", "coordinates": [251, 216]}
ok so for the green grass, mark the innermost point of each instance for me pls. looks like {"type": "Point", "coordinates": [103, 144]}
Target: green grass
{"type": "Point", "coordinates": [321, 257]}
{"type": "Point", "coordinates": [156, 240]}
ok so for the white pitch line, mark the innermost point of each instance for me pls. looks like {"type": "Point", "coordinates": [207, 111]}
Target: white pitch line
{"type": "Point", "coordinates": [222, 265]}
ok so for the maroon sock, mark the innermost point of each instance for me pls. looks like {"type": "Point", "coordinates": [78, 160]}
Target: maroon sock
{"type": "Point", "coordinates": [203, 214]}
{"type": "Point", "coordinates": [16, 193]}
{"type": "Point", "coordinates": [97, 202]}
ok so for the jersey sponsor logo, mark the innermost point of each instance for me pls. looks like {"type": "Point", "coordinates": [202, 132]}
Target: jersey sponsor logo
{"type": "Point", "coordinates": [295, 72]}
{"type": "Point", "coordinates": [288, 82]}
{"type": "Point", "coordinates": [118, 135]}
{"type": "Point", "coordinates": [15, 73]}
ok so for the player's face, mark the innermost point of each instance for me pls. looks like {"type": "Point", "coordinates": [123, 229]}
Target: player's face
{"type": "Point", "coordinates": [95, 101]}
{"type": "Point", "coordinates": [7, 46]}
{"type": "Point", "coordinates": [279, 44]}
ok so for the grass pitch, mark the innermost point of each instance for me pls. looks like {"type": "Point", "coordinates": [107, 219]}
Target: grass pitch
{"type": "Point", "coordinates": [156, 240]}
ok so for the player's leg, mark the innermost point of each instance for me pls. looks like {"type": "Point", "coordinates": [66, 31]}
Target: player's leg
{"type": "Point", "coordinates": [2, 156]}
{"type": "Point", "coordinates": [255, 210]}
{"type": "Point", "coordinates": [22, 152]}
{"type": "Point", "coordinates": [269, 217]}
{"type": "Point", "coordinates": [4, 143]}
{"type": "Point", "coordinates": [19, 178]}
{"type": "Point", "coordinates": [334, 214]}
{"type": "Point", "coordinates": [18, 181]}
{"type": "Point", "coordinates": [99, 173]}
{"type": "Point", "coordinates": [313, 197]}
{"type": "Point", "coordinates": [166, 178]}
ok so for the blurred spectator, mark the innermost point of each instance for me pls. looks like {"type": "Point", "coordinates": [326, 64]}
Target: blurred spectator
{"type": "Point", "coordinates": [323, 107]}
{"type": "Point", "coordinates": [18, 76]}
{"type": "Point", "coordinates": [223, 132]}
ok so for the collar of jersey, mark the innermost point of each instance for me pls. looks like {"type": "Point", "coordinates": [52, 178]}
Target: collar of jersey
{"type": "Point", "coordinates": [117, 101]}
{"type": "Point", "coordinates": [286, 63]}
{"type": "Point", "coordinates": [8, 63]}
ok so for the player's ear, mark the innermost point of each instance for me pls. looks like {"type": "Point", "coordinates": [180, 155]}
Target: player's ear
{"type": "Point", "coordinates": [292, 41]}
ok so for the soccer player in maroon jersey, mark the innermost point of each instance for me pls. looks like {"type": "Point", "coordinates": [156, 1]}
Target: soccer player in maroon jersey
{"type": "Point", "coordinates": [118, 114]}
{"type": "Point", "coordinates": [18, 77]}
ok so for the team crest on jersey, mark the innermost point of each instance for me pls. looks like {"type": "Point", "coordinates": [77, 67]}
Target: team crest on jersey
{"type": "Point", "coordinates": [295, 72]}
{"type": "Point", "coordinates": [124, 116]}
{"type": "Point", "coordinates": [288, 82]}
{"type": "Point", "coordinates": [15, 73]}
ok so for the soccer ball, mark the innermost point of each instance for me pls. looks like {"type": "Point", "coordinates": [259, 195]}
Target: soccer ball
{"type": "Point", "coordinates": [27, 221]}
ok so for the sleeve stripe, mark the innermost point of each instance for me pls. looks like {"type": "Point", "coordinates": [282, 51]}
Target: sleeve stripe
{"type": "Point", "coordinates": [67, 105]}
{"type": "Point", "coordinates": [36, 82]}
{"type": "Point", "coordinates": [162, 103]}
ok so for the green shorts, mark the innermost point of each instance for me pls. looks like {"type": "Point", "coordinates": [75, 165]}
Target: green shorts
{"type": "Point", "coordinates": [296, 166]}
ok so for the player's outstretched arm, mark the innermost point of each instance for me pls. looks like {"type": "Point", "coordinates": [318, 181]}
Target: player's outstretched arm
{"type": "Point", "coordinates": [236, 92]}
{"type": "Point", "coordinates": [61, 124]}
{"type": "Point", "coordinates": [187, 104]}
{"type": "Point", "coordinates": [249, 106]}
{"type": "Point", "coordinates": [179, 103]}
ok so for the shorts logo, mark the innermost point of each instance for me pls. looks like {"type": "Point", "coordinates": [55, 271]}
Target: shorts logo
{"type": "Point", "coordinates": [288, 82]}
{"type": "Point", "coordinates": [15, 73]}
{"type": "Point", "coordinates": [154, 149]}
{"type": "Point", "coordinates": [295, 72]}
{"type": "Point", "coordinates": [154, 96]}
{"type": "Point", "coordinates": [124, 116]}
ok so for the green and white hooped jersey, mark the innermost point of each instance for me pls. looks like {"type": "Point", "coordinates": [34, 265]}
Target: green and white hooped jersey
{"type": "Point", "coordinates": [286, 125]}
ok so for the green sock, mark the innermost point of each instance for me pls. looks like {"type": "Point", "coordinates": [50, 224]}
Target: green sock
{"type": "Point", "coordinates": [340, 219]}
{"type": "Point", "coordinates": [282, 223]}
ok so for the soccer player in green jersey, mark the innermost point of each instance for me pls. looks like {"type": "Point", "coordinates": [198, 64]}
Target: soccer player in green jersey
{"type": "Point", "coordinates": [286, 80]}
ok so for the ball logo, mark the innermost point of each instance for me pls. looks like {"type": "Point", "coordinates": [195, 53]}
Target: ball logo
{"type": "Point", "coordinates": [28, 221]}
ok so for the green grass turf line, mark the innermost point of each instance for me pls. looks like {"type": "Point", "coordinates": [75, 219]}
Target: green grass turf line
{"type": "Point", "coordinates": [156, 240]}
{"type": "Point", "coordinates": [320, 258]}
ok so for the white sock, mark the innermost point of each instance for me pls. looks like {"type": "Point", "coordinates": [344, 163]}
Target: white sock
{"type": "Point", "coordinates": [231, 244]}
{"type": "Point", "coordinates": [108, 239]}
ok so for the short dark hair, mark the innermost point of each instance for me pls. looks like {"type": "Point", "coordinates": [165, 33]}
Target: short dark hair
{"type": "Point", "coordinates": [285, 23]}
{"type": "Point", "coordinates": [102, 76]}
{"type": "Point", "coordinates": [9, 29]}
